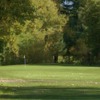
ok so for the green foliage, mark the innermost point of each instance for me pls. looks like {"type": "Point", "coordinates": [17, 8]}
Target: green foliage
{"type": "Point", "coordinates": [73, 29]}
{"type": "Point", "coordinates": [14, 10]}
{"type": "Point", "coordinates": [54, 45]}
{"type": "Point", "coordinates": [1, 45]}
{"type": "Point", "coordinates": [32, 47]}
{"type": "Point", "coordinates": [43, 31]}
{"type": "Point", "coordinates": [28, 27]}
{"type": "Point", "coordinates": [90, 19]}
{"type": "Point", "coordinates": [81, 33]}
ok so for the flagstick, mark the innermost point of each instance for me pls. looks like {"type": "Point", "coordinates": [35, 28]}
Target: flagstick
{"type": "Point", "coordinates": [25, 60]}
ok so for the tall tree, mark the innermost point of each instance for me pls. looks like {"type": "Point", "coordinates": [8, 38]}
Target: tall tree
{"type": "Point", "coordinates": [90, 17]}
{"type": "Point", "coordinates": [46, 22]}
{"type": "Point", "coordinates": [11, 11]}
{"type": "Point", "coordinates": [72, 28]}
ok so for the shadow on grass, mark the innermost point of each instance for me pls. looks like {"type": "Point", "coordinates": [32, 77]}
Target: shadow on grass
{"type": "Point", "coordinates": [49, 93]}
{"type": "Point", "coordinates": [65, 65]}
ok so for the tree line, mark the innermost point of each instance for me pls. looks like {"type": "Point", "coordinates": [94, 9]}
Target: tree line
{"type": "Point", "coordinates": [50, 31]}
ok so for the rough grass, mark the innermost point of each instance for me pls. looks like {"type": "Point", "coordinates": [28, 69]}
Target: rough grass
{"type": "Point", "coordinates": [49, 82]}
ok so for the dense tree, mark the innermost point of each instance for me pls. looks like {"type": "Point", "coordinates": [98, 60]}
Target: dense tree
{"type": "Point", "coordinates": [73, 29]}
{"type": "Point", "coordinates": [13, 10]}
{"type": "Point", "coordinates": [42, 31]}
{"type": "Point", "coordinates": [55, 45]}
{"type": "Point", "coordinates": [29, 38]}
{"type": "Point", "coordinates": [89, 15]}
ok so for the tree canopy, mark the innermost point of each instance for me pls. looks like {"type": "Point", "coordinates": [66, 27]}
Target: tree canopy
{"type": "Point", "coordinates": [44, 30]}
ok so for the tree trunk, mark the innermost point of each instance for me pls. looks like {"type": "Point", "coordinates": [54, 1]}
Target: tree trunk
{"type": "Point", "coordinates": [55, 58]}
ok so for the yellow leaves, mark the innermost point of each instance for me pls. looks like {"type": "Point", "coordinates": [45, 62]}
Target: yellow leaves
{"type": "Point", "coordinates": [47, 11]}
{"type": "Point", "coordinates": [38, 24]}
{"type": "Point", "coordinates": [44, 6]}
{"type": "Point", "coordinates": [45, 21]}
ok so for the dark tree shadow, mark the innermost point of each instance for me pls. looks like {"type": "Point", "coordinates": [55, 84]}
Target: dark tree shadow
{"type": "Point", "coordinates": [50, 93]}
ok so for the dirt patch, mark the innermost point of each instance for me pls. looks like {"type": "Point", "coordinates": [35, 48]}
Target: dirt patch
{"type": "Point", "coordinates": [21, 81]}
{"type": "Point", "coordinates": [11, 80]}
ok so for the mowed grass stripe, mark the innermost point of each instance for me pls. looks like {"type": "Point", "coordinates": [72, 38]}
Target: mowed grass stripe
{"type": "Point", "coordinates": [49, 82]}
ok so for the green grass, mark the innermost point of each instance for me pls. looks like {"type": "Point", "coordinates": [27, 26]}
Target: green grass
{"type": "Point", "coordinates": [56, 82]}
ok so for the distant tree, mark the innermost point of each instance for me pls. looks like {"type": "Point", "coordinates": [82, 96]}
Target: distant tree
{"type": "Point", "coordinates": [72, 27]}
{"type": "Point", "coordinates": [55, 45]}
{"type": "Point", "coordinates": [89, 16]}
{"type": "Point", "coordinates": [28, 38]}
{"type": "Point", "coordinates": [12, 11]}
{"type": "Point", "coordinates": [51, 25]}
{"type": "Point", "coordinates": [1, 45]}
